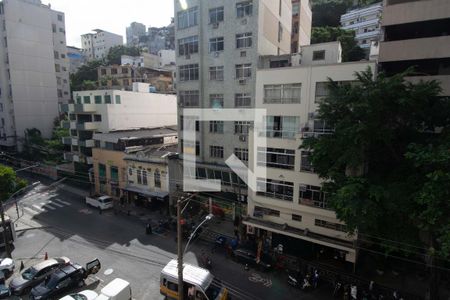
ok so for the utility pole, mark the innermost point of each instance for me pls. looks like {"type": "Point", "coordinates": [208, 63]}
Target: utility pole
{"type": "Point", "coordinates": [180, 251]}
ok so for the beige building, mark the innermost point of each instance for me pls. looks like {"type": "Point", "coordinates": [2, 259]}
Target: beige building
{"type": "Point", "coordinates": [293, 207]}
{"type": "Point", "coordinates": [301, 24]}
{"type": "Point", "coordinates": [416, 33]}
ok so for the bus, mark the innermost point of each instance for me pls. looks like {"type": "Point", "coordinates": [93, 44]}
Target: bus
{"type": "Point", "coordinates": [10, 232]}
{"type": "Point", "coordinates": [198, 284]}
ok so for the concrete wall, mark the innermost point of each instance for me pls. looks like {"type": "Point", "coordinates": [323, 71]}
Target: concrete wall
{"type": "Point", "coordinates": [167, 57]}
{"type": "Point", "coordinates": [333, 53]}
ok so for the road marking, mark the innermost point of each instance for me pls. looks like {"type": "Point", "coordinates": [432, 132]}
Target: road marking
{"type": "Point", "coordinates": [47, 205]}
{"type": "Point", "coordinates": [29, 210]}
{"type": "Point", "coordinates": [38, 207]}
{"type": "Point", "coordinates": [256, 278]}
{"type": "Point", "coordinates": [61, 201]}
{"type": "Point", "coordinates": [56, 204]}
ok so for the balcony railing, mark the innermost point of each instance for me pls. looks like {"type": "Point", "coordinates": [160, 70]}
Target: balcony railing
{"type": "Point", "coordinates": [83, 108]}
{"type": "Point", "coordinates": [314, 203]}
{"type": "Point", "coordinates": [88, 126]}
{"type": "Point", "coordinates": [279, 134]}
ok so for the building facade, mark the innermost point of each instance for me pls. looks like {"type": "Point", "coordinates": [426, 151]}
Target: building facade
{"type": "Point", "coordinates": [158, 38]}
{"type": "Point", "coordinates": [290, 205]}
{"type": "Point", "coordinates": [96, 45]}
{"type": "Point", "coordinates": [365, 22]}
{"type": "Point", "coordinates": [76, 57]}
{"type": "Point", "coordinates": [34, 70]}
{"type": "Point", "coordinates": [416, 33]}
{"type": "Point", "coordinates": [301, 24]}
{"type": "Point", "coordinates": [134, 31]}
{"type": "Point", "coordinates": [103, 111]}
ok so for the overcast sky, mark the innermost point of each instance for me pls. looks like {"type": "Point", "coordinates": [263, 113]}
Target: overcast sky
{"type": "Point", "coordinates": [111, 15]}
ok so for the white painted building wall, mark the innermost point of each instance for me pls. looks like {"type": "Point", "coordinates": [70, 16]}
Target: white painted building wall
{"type": "Point", "coordinates": [167, 57]}
{"type": "Point", "coordinates": [96, 45]}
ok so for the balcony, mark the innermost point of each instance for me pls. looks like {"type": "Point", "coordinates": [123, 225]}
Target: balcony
{"type": "Point", "coordinates": [279, 134]}
{"type": "Point", "coordinates": [65, 124]}
{"type": "Point", "coordinates": [70, 141]}
{"type": "Point", "coordinates": [314, 203]}
{"type": "Point", "coordinates": [88, 126]}
{"type": "Point", "coordinates": [85, 108]}
{"type": "Point", "coordinates": [87, 143]}
{"type": "Point", "coordinates": [409, 11]}
{"type": "Point", "coordinates": [69, 156]}
{"type": "Point", "coordinates": [64, 108]}
{"type": "Point", "coordinates": [415, 49]}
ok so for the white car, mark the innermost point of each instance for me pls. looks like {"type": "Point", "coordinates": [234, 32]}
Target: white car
{"type": "Point", "coordinates": [7, 266]}
{"type": "Point", "coordinates": [83, 295]}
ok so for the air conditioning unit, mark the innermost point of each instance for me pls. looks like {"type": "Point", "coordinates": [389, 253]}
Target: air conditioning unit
{"type": "Point", "coordinates": [215, 25]}
{"type": "Point", "coordinates": [243, 138]}
{"type": "Point", "coordinates": [243, 53]}
{"type": "Point", "coordinates": [188, 56]}
{"type": "Point", "coordinates": [242, 81]}
{"type": "Point", "coordinates": [244, 21]}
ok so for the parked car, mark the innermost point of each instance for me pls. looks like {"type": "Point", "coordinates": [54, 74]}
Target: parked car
{"type": "Point", "coordinates": [64, 280]}
{"type": "Point", "coordinates": [5, 292]}
{"type": "Point", "coordinates": [34, 275]}
{"type": "Point", "coordinates": [100, 202]}
{"type": "Point", "coordinates": [247, 256]}
{"type": "Point", "coordinates": [118, 289]}
{"type": "Point", "coordinates": [83, 295]}
{"type": "Point", "coordinates": [7, 266]}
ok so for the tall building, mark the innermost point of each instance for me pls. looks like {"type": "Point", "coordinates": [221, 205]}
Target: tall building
{"type": "Point", "coordinates": [218, 49]}
{"type": "Point", "coordinates": [76, 58]}
{"type": "Point", "coordinates": [96, 45]}
{"type": "Point", "coordinates": [365, 21]}
{"type": "Point", "coordinates": [301, 24]}
{"type": "Point", "coordinates": [134, 32]}
{"type": "Point", "coordinates": [34, 74]}
{"type": "Point", "coordinates": [416, 33]}
{"type": "Point", "coordinates": [292, 210]}
{"type": "Point", "coordinates": [158, 38]}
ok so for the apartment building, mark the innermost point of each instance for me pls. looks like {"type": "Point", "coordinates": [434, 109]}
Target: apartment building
{"type": "Point", "coordinates": [34, 75]}
{"type": "Point", "coordinates": [96, 45]}
{"type": "Point", "coordinates": [76, 57]}
{"type": "Point", "coordinates": [416, 33]}
{"type": "Point", "coordinates": [103, 111]}
{"type": "Point", "coordinates": [289, 208]}
{"type": "Point", "coordinates": [365, 22]}
{"type": "Point", "coordinates": [301, 24]}
{"type": "Point", "coordinates": [134, 31]}
{"type": "Point", "coordinates": [218, 47]}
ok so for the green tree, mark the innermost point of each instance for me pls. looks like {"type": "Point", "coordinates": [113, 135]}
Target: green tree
{"type": "Point", "coordinates": [350, 50]}
{"type": "Point", "coordinates": [9, 182]}
{"type": "Point", "coordinates": [115, 53]}
{"type": "Point", "coordinates": [86, 77]}
{"type": "Point", "coordinates": [387, 164]}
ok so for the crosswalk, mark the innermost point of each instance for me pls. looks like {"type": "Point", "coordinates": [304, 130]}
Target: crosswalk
{"type": "Point", "coordinates": [44, 206]}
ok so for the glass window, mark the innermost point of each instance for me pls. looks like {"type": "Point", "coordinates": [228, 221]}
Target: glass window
{"type": "Point", "coordinates": [263, 211]}
{"type": "Point", "coordinates": [241, 153]}
{"type": "Point", "coordinates": [297, 218]}
{"type": "Point", "coordinates": [244, 9]}
{"type": "Point", "coordinates": [157, 178]}
{"type": "Point", "coordinates": [242, 100]}
{"type": "Point", "coordinates": [188, 45]}
{"type": "Point", "coordinates": [319, 55]}
{"type": "Point", "coordinates": [114, 173]}
{"type": "Point", "coordinates": [188, 72]}
{"type": "Point", "coordinates": [107, 99]}
{"type": "Point", "coordinates": [282, 93]}
{"type": "Point", "coordinates": [244, 40]}
{"type": "Point", "coordinates": [216, 100]}
{"type": "Point", "coordinates": [312, 196]}
{"type": "Point", "coordinates": [216, 151]}
{"type": "Point", "coordinates": [216, 73]}
{"type": "Point", "coordinates": [102, 172]}
{"type": "Point", "coordinates": [117, 99]}
{"type": "Point", "coordinates": [98, 99]}
{"type": "Point", "coordinates": [87, 99]}
{"type": "Point", "coordinates": [305, 163]}
{"type": "Point", "coordinates": [242, 127]}
{"type": "Point", "coordinates": [321, 126]}
{"type": "Point", "coordinates": [139, 176]}
{"type": "Point", "coordinates": [189, 98]}
{"type": "Point", "coordinates": [276, 158]}
{"type": "Point", "coordinates": [144, 177]}
{"type": "Point", "coordinates": [322, 91]}
{"type": "Point", "coordinates": [285, 127]}
{"type": "Point", "coordinates": [282, 190]}
{"type": "Point", "coordinates": [97, 118]}
{"type": "Point", "coordinates": [280, 32]}
{"type": "Point", "coordinates": [243, 71]}
{"type": "Point", "coordinates": [216, 15]}
{"type": "Point", "coordinates": [216, 126]}
{"type": "Point", "coordinates": [216, 44]}
{"type": "Point", "coordinates": [188, 18]}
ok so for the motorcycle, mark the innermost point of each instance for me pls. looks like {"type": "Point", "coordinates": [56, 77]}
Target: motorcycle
{"type": "Point", "coordinates": [206, 262]}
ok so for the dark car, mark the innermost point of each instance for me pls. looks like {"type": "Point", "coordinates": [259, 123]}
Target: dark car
{"type": "Point", "coordinates": [4, 290]}
{"type": "Point", "coordinates": [34, 275]}
{"type": "Point", "coordinates": [247, 256]}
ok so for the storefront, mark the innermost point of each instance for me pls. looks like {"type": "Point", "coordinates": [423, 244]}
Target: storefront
{"type": "Point", "coordinates": [153, 200]}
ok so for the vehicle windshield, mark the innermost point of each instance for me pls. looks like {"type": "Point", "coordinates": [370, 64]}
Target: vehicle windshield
{"type": "Point", "coordinates": [78, 297]}
{"type": "Point", "coordinates": [51, 282]}
{"type": "Point", "coordinates": [213, 291]}
{"type": "Point", "coordinates": [29, 273]}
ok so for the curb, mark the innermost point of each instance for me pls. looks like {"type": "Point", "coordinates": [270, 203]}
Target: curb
{"type": "Point", "coordinates": [32, 228]}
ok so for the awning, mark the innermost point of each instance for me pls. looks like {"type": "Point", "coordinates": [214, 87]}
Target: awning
{"type": "Point", "coordinates": [159, 195]}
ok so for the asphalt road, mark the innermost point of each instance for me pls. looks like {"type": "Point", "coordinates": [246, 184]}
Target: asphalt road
{"type": "Point", "coordinates": [70, 228]}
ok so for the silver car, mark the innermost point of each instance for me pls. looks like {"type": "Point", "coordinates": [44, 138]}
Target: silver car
{"type": "Point", "coordinates": [34, 275]}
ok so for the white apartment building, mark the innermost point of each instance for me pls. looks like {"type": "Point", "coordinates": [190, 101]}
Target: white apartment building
{"type": "Point", "coordinates": [134, 32]}
{"type": "Point", "coordinates": [104, 111]}
{"type": "Point", "coordinates": [293, 205]}
{"type": "Point", "coordinates": [96, 45]}
{"type": "Point", "coordinates": [217, 52]}
{"type": "Point", "coordinates": [34, 69]}
{"type": "Point", "coordinates": [166, 57]}
{"type": "Point", "coordinates": [366, 22]}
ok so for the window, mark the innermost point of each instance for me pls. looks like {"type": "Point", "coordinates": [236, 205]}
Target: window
{"type": "Point", "coordinates": [242, 100]}
{"type": "Point", "coordinates": [157, 178]}
{"type": "Point", "coordinates": [280, 32]}
{"type": "Point", "coordinates": [56, 54]}
{"type": "Point", "coordinates": [60, 93]}
{"type": "Point", "coordinates": [54, 27]}
{"type": "Point", "coordinates": [285, 127]}
{"type": "Point", "coordinates": [130, 171]}
{"type": "Point", "coordinates": [78, 99]}
{"type": "Point", "coordinates": [101, 172]}
{"type": "Point", "coordinates": [282, 93]}
{"type": "Point", "coordinates": [139, 176]}
{"type": "Point", "coordinates": [241, 127]}
{"type": "Point", "coordinates": [241, 153]}
{"type": "Point", "coordinates": [188, 72]}
{"type": "Point", "coordinates": [189, 98]}
{"type": "Point", "coordinates": [295, 9]}
{"type": "Point", "coordinates": [87, 99]}
{"type": "Point", "coordinates": [64, 69]}
{"type": "Point", "coordinates": [62, 30]}
{"type": "Point", "coordinates": [216, 151]}
{"type": "Point", "coordinates": [114, 173]}
{"type": "Point", "coordinates": [216, 44]}
{"type": "Point", "coordinates": [57, 68]}
{"type": "Point", "coordinates": [305, 163]}
{"type": "Point", "coordinates": [243, 71]}
{"type": "Point", "coordinates": [282, 190]}
{"type": "Point", "coordinates": [190, 124]}
{"type": "Point", "coordinates": [63, 55]}
{"type": "Point", "coordinates": [107, 99]}
{"type": "Point", "coordinates": [117, 99]}
{"type": "Point", "coordinates": [1, 107]}
{"type": "Point", "coordinates": [262, 211]}
{"type": "Point", "coordinates": [97, 118]}
{"type": "Point", "coordinates": [244, 40]}
{"type": "Point", "coordinates": [276, 158]}
{"type": "Point", "coordinates": [60, 18]}
{"type": "Point", "coordinates": [124, 70]}
{"type": "Point", "coordinates": [216, 100]}
{"type": "Point", "coordinates": [319, 55]}
{"type": "Point", "coordinates": [216, 126]}
{"type": "Point", "coordinates": [98, 99]}
{"type": "Point", "coordinates": [103, 71]}
{"type": "Point", "coordinates": [312, 196]}
{"type": "Point", "coordinates": [216, 73]}
{"type": "Point", "coordinates": [322, 91]}
{"type": "Point", "coordinates": [244, 9]}
{"type": "Point", "coordinates": [113, 71]}
{"type": "Point", "coordinates": [216, 15]}
{"type": "Point", "coordinates": [188, 45]}
{"type": "Point", "coordinates": [330, 225]}
{"type": "Point", "coordinates": [297, 218]}
{"type": "Point", "coordinates": [144, 177]}
{"type": "Point", "coordinates": [322, 127]}
{"type": "Point", "coordinates": [188, 18]}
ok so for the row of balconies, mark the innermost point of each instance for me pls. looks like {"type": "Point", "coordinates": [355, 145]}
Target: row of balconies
{"type": "Point", "coordinates": [77, 157]}
{"type": "Point", "coordinates": [80, 126]}
{"type": "Point", "coordinates": [78, 108]}
{"type": "Point", "coordinates": [76, 142]}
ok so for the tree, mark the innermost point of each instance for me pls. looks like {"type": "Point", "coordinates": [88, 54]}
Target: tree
{"type": "Point", "coordinates": [86, 77]}
{"type": "Point", "coordinates": [387, 164]}
{"type": "Point", "coordinates": [115, 53]}
{"type": "Point", "coordinates": [350, 50]}
{"type": "Point", "coordinates": [9, 182]}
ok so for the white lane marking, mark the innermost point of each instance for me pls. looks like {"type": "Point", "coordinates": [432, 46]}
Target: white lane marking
{"type": "Point", "coordinates": [29, 210]}
{"type": "Point", "coordinates": [47, 205]}
{"type": "Point", "coordinates": [61, 201]}
{"type": "Point", "coordinates": [56, 204]}
{"type": "Point", "coordinates": [38, 207]}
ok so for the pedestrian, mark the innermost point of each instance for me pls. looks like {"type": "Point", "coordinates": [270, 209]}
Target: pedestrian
{"type": "Point", "coordinates": [315, 278]}
{"type": "Point", "coordinates": [353, 292]}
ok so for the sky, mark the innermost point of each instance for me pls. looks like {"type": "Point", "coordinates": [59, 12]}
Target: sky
{"type": "Point", "coordinates": [111, 15]}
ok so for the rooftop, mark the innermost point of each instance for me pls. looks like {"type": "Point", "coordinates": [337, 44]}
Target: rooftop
{"type": "Point", "coordinates": [126, 135]}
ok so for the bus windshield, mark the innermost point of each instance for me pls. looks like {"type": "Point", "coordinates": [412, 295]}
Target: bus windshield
{"type": "Point", "coordinates": [212, 291]}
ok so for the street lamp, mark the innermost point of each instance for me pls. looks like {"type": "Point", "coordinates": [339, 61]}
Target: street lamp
{"type": "Point", "coordinates": [207, 218]}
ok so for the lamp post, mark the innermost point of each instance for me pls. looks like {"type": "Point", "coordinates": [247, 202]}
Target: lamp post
{"type": "Point", "coordinates": [207, 218]}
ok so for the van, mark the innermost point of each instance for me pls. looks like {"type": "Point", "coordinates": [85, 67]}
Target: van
{"type": "Point", "coordinates": [118, 289]}
{"type": "Point", "coordinates": [100, 202]}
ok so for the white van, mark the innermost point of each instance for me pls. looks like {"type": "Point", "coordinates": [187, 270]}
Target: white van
{"type": "Point", "coordinates": [101, 202]}
{"type": "Point", "coordinates": [118, 289]}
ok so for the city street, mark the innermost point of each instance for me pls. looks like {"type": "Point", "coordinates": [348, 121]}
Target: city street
{"type": "Point", "coordinates": [59, 223]}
